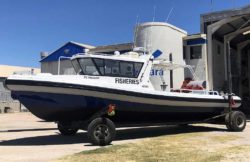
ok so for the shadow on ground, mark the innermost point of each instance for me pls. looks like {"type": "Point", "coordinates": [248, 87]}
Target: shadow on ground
{"type": "Point", "coordinates": [27, 130]}
{"type": "Point", "coordinates": [123, 134]}
{"type": "Point", "coordinates": [248, 117]}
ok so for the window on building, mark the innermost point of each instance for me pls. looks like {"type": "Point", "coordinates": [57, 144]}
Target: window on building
{"type": "Point", "coordinates": [66, 51]}
{"type": "Point", "coordinates": [195, 52]}
{"type": "Point", "coordinates": [184, 53]}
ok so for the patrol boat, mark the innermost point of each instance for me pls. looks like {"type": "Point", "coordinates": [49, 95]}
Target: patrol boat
{"type": "Point", "coordinates": [116, 89]}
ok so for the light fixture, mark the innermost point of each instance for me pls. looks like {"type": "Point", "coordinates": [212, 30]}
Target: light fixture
{"type": "Point", "coordinates": [246, 32]}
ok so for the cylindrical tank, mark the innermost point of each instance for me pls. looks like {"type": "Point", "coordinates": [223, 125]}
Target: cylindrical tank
{"type": "Point", "coordinates": [44, 54]}
{"type": "Point", "coordinates": [163, 41]}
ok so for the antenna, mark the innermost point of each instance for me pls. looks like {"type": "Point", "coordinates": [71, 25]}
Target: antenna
{"type": "Point", "coordinates": [150, 34]}
{"type": "Point", "coordinates": [234, 6]}
{"type": "Point", "coordinates": [145, 41]}
{"type": "Point", "coordinates": [169, 13]}
{"type": "Point", "coordinates": [211, 3]}
{"type": "Point", "coordinates": [154, 13]}
{"type": "Point", "coordinates": [136, 29]}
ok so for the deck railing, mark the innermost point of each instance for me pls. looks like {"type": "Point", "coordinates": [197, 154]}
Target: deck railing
{"type": "Point", "coordinates": [194, 91]}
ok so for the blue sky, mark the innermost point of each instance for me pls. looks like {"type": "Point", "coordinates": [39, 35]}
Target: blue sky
{"type": "Point", "coordinates": [28, 27]}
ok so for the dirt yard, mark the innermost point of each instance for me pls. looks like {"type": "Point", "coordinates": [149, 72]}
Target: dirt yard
{"type": "Point", "coordinates": [24, 137]}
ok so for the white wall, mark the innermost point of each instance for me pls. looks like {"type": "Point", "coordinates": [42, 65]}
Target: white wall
{"type": "Point", "coordinates": [218, 65]}
{"type": "Point", "coordinates": [168, 39]}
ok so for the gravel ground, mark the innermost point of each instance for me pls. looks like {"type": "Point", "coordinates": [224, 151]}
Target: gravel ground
{"type": "Point", "coordinates": [23, 137]}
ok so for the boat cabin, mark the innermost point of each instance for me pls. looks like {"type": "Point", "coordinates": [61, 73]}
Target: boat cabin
{"type": "Point", "coordinates": [125, 66]}
{"type": "Point", "coordinates": [101, 66]}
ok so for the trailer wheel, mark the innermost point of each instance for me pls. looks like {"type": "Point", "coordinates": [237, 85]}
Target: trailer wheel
{"type": "Point", "coordinates": [66, 130]}
{"type": "Point", "coordinates": [101, 131]}
{"type": "Point", "coordinates": [228, 123]}
{"type": "Point", "coordinates": [236, 121]}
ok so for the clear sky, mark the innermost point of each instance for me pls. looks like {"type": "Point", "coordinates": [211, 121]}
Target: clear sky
{"type": "Point", "coordinates": [28, 27]}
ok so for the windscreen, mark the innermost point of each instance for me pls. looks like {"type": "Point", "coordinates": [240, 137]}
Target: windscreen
{"type": "Point", "coordinates": [107, 67]}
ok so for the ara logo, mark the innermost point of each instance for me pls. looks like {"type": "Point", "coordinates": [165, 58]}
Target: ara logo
{"type": "Point", "coordinates": [157, 53]}
{"type": "Point", "coordinates": [155, 72]}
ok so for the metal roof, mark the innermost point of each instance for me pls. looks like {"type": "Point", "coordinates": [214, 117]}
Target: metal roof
{"type": "Point", "coordinates": [67, 50]}
{"type": "Point", "coordinates": [236, 24]}
{"type": "Point", "coordinates": [83, 45]}
{"type": "Point", "coordinates": [212, 17]}
{"type": "Point", "coordinates": [114, 47]}
{"type": "Point", "coordinates": [229, 21]}
{"type": "Point", "coordinates": [218, 15]}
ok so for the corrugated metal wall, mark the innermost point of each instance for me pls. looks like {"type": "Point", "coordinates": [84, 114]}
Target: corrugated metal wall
{"type": "Point", "coordinates": [52, 67]}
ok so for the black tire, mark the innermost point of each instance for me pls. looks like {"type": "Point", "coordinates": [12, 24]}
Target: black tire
{"type": "Point", "coordinates": [66, 130]}
{"type": "Point", "coordinates": [101, 131]}
{"type": "Point", "coordinates": [236, 122]}
{"type": "Point", "coordinates": [228, 125]}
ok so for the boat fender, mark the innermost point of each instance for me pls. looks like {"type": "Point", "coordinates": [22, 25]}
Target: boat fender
{"type": "Point", "coordinates": [111, 110]}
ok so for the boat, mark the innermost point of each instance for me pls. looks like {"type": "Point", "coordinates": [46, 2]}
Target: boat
{"type": "Point", "coordinates": [115, 90]}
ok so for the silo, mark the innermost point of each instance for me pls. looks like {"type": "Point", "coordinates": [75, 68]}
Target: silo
{"type": "Point", "coordinates": [164, 41]}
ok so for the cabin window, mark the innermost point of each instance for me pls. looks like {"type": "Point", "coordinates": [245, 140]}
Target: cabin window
{"type": "Point", "coordinates": [107, 67]}
{"type": "Point", "coordinates": [76, 66]}
{"type": "Point", "coordinates": [100, 65]}
{"type": "Point", "coordinates": [137, 68]}
{"type": "Point", "coordinates": [127, 69]}
{"type": "Point", "coordinates": [195, 52]}
{"type": "Point", "coordinates": [112, 68]}
{"type": "Point", "coordinates": [88, 67]}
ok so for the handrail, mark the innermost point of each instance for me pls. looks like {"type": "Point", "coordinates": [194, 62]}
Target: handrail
{"type": "Point", "coordinates": [195, 91]}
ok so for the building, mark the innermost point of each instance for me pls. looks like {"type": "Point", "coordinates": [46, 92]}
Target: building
{"type": "Point", "coordinates": [228, 32]}
{"type": "Point", "coordinates": [50, 62]}
{"type": "Point", "coordinates": [7, 104]}
{"type": "Point", "coordinates": [222, 32]}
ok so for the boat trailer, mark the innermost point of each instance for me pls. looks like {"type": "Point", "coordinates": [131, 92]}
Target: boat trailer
{"type": "Point", "coordinates": [101, 130]}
